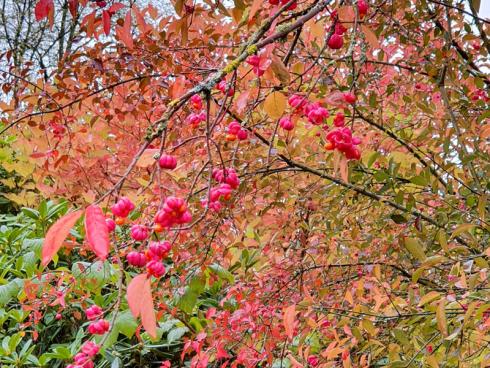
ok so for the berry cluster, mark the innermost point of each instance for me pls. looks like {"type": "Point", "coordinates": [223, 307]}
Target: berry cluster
{"type": "Point", "coordinates": [84, 358]}
{"type": "Point", "coordinates": [235, 131]}
{"type": "Point", "coordinates": [152, 259]}
{"type": "Point", "coordinates": [196, 118]}
{"type": "Point", "coordinates": [229, 181]}
{"type": "Point", "coordinates": [342, 140]}
{"type": "Point", "coordinates": [225, 88]}
{"type": "Point", "coordinates": [122, 208]}
{"type": "Point", "coordinates": [173, 212]}
{"type": "Point", "coordinates": [257, 63]}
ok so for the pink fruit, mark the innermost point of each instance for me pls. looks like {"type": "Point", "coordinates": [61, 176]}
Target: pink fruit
{"type": "Point", "coordinates": [167, 162]}
{"type": "Point", "coordinates": [297, 102]}
{"type": "Point", "coordinates": [159, 250]}
{"type": "Point", "coordinates": [349, 97]}
{"type": "Point", "coordinates": [139, 232]}
{"type": "Point", "coordinates": [339, 119]}
{"type": "Point", "coordinates": [242, 134]}
{"type": "Point", "coordinates": [90, 348]}
{"type": "Point", "coordinates": [363, 7]}
{"type": "Point", "coordinates": [335, 42]}
{"type": "Point", "coordinates": [196, 102]}
{"type": "Point", "coordinates": [224, 88]}
{"type": "Point", "coordinates": [93, 312]}
{"type": "Point", "coordinates": [123, 207]}
{"type": "Point", "coordinates": [155, 268]}
{"type": "Point", "coordinates": [111, 224]}
{"type": "Point", "coordinates": [136, 259]}
{"type": "Point", "coordinates": [286, 124]}
{"type": "Point", "coordinates": [99, 328]}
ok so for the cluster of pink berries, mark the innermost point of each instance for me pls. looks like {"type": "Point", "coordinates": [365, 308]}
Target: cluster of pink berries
{"type": "Point", "coordinates": [99, 326]}
{"type": "Point", "coordinates": [167, 162]}
{"type": "Point", "coordinates": [228, 176]}
{"type": "Point", "coordinates": [196, 118]}
{"type": "Point", "coordinates": [224, 88]}
{"type": "Point", "coordinates": [84, 358]}
{"type": "Point", "coordinates": [229, 181]}
{"type": "Point", "coordinates": [122, 208]}
{"type": "Point", "coordinates": [235, 131]}
{"type": "Point", "coordinates": [480, 94]}
{"type": "Point", "coordinates": [342, 140]}
{"type": "Point", "coordinates": [174, 211]}
{"type": "Point", "coordinates": [315, 113]}
{"type": "Point", "coordinates": [196, 102]}
{"type": "Point", "coordinates": [336, 40]}
{"type": "Point", "coordinates": [257, 63]}
{"type": "Point", "coordinates": [152, 259]}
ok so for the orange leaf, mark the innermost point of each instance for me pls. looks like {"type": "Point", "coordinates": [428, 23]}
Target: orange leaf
{"type": "Point", "coordinates": [97, 231]}
{"type": "Point", "coordinates": [289, 317]}
{"type": "Point", "coordinates": [140, 303]}
{"type": "Point", "coordinates": [256, 5]}
{"type": "Point", "coordinates": [370, 37]}
{"type": "Point", "coordinates": [124, 32]}
{"type": "Point", "coordinates": [147, 158]}
{"type": "Point", "coordinates": [57, 234]}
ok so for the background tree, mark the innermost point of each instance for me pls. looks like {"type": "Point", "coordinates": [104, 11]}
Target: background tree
{"type": "Point", "coordinates": [274, 183]}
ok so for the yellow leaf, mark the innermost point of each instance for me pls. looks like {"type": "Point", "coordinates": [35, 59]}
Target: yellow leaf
{"type": "Point", "coordinates": [415, 248]}
{"type": "Point", "coordinates": [469, 312]}
{"type": "Point", "coordinates": [432, 361]}
{"type": "Point", "coordinates": [275, 104]}
{"type": "Point", "coordinates": [441, 237]}
{"type": "Point", "coordinates": [428, 298]}
{"type": "Point", "coordinates": [348, 297]}
{"type": "Point", "coordinates": [461, 229]}
{"type": "Point", "coordinates": [441, 317]}
{"type": "Point", "coordinates": [432, 261]}
{"type": "Point", "coordinates": [280, 70]}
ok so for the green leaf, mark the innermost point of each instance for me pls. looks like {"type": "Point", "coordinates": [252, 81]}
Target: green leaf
{"type": "Point", "coordinates": [188, 300]}
{"type": "Point", "coordinates": [126, 324]}
{"type": "Point", "coordinates": [10, 290]}
{"type": "Point", "coordinates": [176, 333]}
{"type": "Point", "coordinates": [222, 273]}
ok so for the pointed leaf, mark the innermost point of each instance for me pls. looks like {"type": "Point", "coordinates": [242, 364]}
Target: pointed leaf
{"type": "Point", "coordinates": [57, 234]}
{"type": "Point", "coordinates": [289, 317]}
{"type": "Point", "coordinates": [140, 303]}
{"type": "Point", "coordinates": [97, 231]}
{"type": "Point", "coordinates": [441, 317]}
{"type": "Point", "coordinates": [275, 104]}
{"type": "Point", "coordinates": [415, 248]}
{"type": "Point", "coordinates": [106, 20]}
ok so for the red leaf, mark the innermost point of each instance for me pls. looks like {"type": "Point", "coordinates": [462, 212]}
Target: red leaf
{"type": "Point", "coordinates": [115, 7]}
{"type": "Point", "coordinates": [140, 303]}
{"type": "Point", "coordinates": [106, 20]}
{"type": "Point", "coordinates": [57, 234]}
{"type": "Point", "coordinates": [289, 317]}
{"type": "Point", "coordinates": [97, 231]}
{"type": "Point", "coordinates": [73, 7]}
{"type": "Point", "coordinates": [43, 8]}
{"type": "Point", "coordinates": [124, 32]}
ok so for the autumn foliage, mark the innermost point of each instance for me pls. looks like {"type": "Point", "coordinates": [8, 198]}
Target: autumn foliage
{"type": "Point", "coordinates": [287, 183]}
